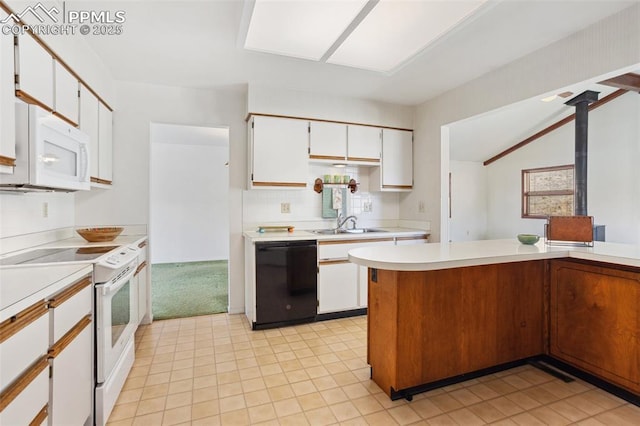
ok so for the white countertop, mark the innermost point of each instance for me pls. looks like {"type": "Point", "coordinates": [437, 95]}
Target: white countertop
{"type": "Point", "coordinates": [427, 257]}
{"type": "Point", "coordinates": [394, 232]}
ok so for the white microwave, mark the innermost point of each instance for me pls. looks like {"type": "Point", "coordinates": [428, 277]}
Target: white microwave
{"type": "Point", "coordinates": [50, 153]}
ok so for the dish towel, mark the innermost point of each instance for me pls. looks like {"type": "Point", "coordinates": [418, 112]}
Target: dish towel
{"type": "Point", "coordinates": [337, 199]}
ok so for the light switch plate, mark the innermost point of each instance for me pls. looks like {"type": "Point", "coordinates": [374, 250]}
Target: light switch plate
{"type": "Point", "coordinates": [285, 208]}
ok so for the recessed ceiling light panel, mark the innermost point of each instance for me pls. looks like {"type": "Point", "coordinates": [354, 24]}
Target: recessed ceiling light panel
{"type": "Point", "coordinates": [300, 28]}
{"type": "Point", "coordinates": [396, 30]}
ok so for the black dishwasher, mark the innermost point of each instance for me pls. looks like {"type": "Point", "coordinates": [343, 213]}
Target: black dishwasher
{"type": "Point", "coordinates": [286, 283]}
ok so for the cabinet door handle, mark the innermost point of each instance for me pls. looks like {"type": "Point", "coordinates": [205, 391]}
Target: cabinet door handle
{"type": "Point", "coordinates": [16, 388]}
{"type": "Point", "coordinates": [70, 291]}
{"type": "Point", "coordinates": [12, 325]}
{"type": "Point", "coordinates": [65, 340]}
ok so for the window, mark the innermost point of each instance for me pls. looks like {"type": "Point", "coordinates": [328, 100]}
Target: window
{"type": "Point", "coordinates": [547, 191]}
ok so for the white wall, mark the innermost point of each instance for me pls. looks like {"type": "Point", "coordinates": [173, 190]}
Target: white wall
{"type": "Point", "coordinates": [24, 213]}
{"type": "Point", "coordinates": [138, 105]}
{"type": "Point", "coordinates": [610, 45]}
{"type": "Point", "coordinates": [468, 220]}
{"type": "Point", "coordinates": [613, 191]}
{"type": "Point", "coordinates": [189, 210]}
{"type": "Point", "coordinates": [298, 103]}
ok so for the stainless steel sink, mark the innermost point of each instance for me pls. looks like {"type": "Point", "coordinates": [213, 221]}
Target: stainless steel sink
{"type": "Point", "coordinates": [346, 231]}
{"type": "Point", "coordinates": [362, 230]}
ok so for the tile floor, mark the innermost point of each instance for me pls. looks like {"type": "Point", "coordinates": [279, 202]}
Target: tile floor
{"type": "Point", "coordinates": [213, 370]}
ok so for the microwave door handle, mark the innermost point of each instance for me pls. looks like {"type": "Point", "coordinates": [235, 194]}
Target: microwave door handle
{"type": "Point", "coordinates": [84, 162]}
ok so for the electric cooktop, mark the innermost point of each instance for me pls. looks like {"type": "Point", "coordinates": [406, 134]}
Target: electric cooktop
{"type": "Point", "coordinates": [53, 255]}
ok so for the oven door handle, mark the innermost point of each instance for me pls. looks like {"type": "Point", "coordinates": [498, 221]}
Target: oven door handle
{"type": "Point", "coordinates": [113, 288]}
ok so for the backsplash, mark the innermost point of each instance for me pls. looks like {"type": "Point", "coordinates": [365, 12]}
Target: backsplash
{"type": "Point", "coordinates": [264, 206]}
{"type": "Point", "coordinates": [26, 213]}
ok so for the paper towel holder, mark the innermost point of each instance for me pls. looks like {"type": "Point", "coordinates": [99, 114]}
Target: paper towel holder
{"type": "Point", "coordinates": [318, 185]}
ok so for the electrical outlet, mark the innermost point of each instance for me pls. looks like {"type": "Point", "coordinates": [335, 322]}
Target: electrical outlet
{"type": "Point", "coordinates": [421, 208]}
{"type": "Point", "coordinates": [367, 206]}
{"type": "Point", "coordinates": [45, 209]}
{"type": "Point", "coordinates": [285, 208]}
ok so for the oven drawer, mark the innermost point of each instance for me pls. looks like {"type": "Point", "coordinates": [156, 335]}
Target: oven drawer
{"type": "Point", "coordinates": [26, 401]}
{"type": "Point", "coordinates": [69, 306]}
{"type": "Point", "coordinates": [23, 339]}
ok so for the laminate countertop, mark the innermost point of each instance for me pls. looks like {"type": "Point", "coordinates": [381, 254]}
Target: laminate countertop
{"type": "Point", "coordinates": [427, 257]}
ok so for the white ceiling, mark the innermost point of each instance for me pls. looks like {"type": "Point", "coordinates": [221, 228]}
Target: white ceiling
{"type": "Point", "coordinates": [195, 44]}
{"type": "Point", "coordinates": [483, 136]}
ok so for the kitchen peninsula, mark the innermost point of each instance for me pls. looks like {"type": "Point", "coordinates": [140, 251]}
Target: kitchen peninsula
{"type": "Point", "coordinates": [441, 313]}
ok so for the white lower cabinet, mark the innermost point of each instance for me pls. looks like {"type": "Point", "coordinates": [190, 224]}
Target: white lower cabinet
{"type": "Point", "coordinates": [144, 308]}
{"type": "Point", "coordinates": [342, 285]}
{"type": "Point", "coordinates": [46, 353]}
{"type": "Point", "coordinates": [337, 287]}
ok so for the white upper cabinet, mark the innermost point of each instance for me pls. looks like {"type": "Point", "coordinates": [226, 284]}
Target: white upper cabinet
{"type": "Point", "coordinates": [396, 169]}
{"type": "Point", "coordinates": [96, 120]}
{"type": "Point", "coordinates": [35, 72]}
{"type": "Point", "coordinates": [7, 100]}
{"type": "Point", "coordinates": [363, 144]}
{"type": "Point", "coordinates": [278, 152]}
{"type": "Point", "coordinates": [327, 141]}
{"type": "Point", "coordinates": [66, 90]}
{"type": "Point", "coordinates": [105, 142]}
{"type": "Point", "coordinates": [89, 125]}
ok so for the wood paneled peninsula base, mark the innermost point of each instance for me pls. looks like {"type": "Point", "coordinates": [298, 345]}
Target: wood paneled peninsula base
{"type": "Point", "coordinates": [444, 313]}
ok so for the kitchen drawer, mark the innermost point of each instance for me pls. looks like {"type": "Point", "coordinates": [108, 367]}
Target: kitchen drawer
{"type": "Point", "coordinates": [339, 249]}
{"type": "Point", "coordinates": [407, 241]}
{"type": "Point", "coordinates": [24, 338]}
{"type": "Point", "coordinates": [26, 401]}
{"type": "Point", "coordinates": [69, 306]}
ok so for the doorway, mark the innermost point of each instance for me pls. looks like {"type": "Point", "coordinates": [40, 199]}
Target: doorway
{"type": "Point", "coordinates": [189, 220]}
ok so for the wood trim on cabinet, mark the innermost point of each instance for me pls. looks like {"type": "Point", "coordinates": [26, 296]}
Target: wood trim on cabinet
{"type": "Point", "coordinates": [142, 244]}
{"type": "Point", "coordinates": [416, 237]}
{"type": "Point", "coordinates": [12, 325]}
{"type": "Point", "coordinates": [140, 268]}
{"type": "Point", "coordinates": [66, 340]}
{"type": "Point", "coordinates": [553, 127]}
{"type": "Point", "coordinates": [360, 240]}
{"type": "Point", "coordinates": [323, 121]}
{"type": "Point", "coordinates": [283, 184]}
{"type": "Point", "coordinates": [333, 262]}
{"type": "Point", "coordinates": [398, 186]}
{"type": "Point", "coordinates": [69, 292]}
{"type": "Point", "coordinates": [102, 181]}
{"type": "Point", "coordinates": [326, 157]}
{"type": "Point", "coordinates": [65, 119]}
{"type": "Point", "coordinates": [10, 393]}
{"type": "Point", "coordinates": [7, 161]}
{"type": "Point", "coordinates": [39, 418]}
{"type": "Point", "coordinates": [364, 159]}
{"type": "Point", "coordinates": [25, 97]}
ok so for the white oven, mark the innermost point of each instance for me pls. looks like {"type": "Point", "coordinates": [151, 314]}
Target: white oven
{"type": "Point", "coordinates": [116, 317]}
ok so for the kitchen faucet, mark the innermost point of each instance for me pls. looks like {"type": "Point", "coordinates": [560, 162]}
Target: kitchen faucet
{"type": "Point", "coordinates": [342, 221]}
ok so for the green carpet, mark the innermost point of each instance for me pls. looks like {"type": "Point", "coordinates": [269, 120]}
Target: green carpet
{"type": "Point", "coordinates": [188, 289]}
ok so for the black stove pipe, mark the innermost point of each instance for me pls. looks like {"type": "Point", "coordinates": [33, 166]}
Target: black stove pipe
{"type": "Point", "coordinates": [581, 102]}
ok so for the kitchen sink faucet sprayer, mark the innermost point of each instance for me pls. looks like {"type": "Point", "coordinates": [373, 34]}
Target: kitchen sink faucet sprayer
{"type": "Point", "coordinates": [342, 221]}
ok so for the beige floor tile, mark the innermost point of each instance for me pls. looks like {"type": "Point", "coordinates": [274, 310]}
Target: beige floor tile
{"type": "Point", "coordinates": [123, 411]}
{"type": "Point", "coordinates": [324, 383]}
{"type": "Point", "coordinates": [132, 395]}
{"type": "Point", "coordinates": [205, 409]}
{"type": "Point", "coordinates": [404, 414]}
{"type": "Point", "coordinates": [569, 411]}
{"type": "Point", "coordinates": [253, 384]}
{"type": "Point", "coordinates": [320, 416]}
{"type": "Point", "coordinates": [464, 416]}
{"type": "Point", "coordinates": [235, 418]}
{"type": "Point", "coordinates": [231, 403]}
{"type": "Point", "coordinates": [156, 379]}
{"type": "Point", "coordinates": [155, 391]}
{"type": "Point", "coordinates": [279, 393]}
{"type": "Point", "coordinates": [506, 406]}
{"type": "Point", "coordinates": [381, 418]}
{"type": "Point", "coordinates": [549, 416]}
{"type": "Point", "coordinates": [293, 420]}
{"type": "Point", "coordinates": [177, 416]}
{"type": "Point", "coordinates": [311, 401]}
{"type": "Point", "coordinates": [622, 416]}
{"type": "Point", "coordinates": [465, 396]}
{"type": "Point", "coordinates": [523, 400]}
{"type": "Point", "coordinates": [487, 412]}
{"type": "Point", "coordinates": [287, 407]}
{"type": "Point", "coordinates": [228, 377]}
{"type": "Point", "coordinates": [446, 403]}
{"type": "Point", "coordinates": [257, 398]}
{"type": "Point", "coordinates": [229, 389]}
{"type": "Point", "coordinates": [179, 400]}
{"type": "Point", "coordinates": [180, 386]}
{"type": "Point", "coordinates": [152, 405]}
{"type": "Point", "coordinates": [149, 419]}
{"type": "Point", "coordinates": [124, 422]}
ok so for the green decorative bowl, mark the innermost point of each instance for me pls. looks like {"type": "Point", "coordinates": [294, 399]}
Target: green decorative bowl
{"type": "Point", "coordinates": [528, 238]}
